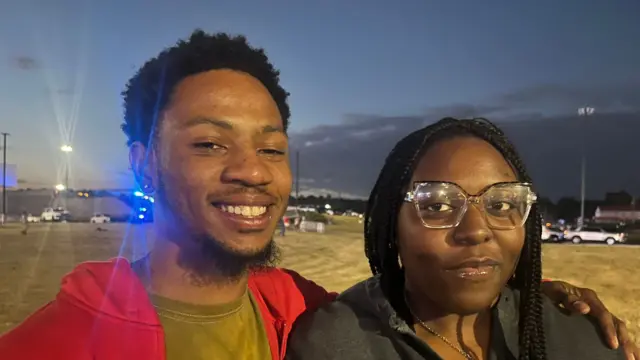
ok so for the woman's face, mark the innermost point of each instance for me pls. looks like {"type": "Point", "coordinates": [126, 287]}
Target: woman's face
{"type": "Point", "coordinates": [436, 260]}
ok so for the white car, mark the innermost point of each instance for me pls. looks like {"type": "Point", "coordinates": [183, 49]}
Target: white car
{"type": "Point", "coordinates": [594, 233]}
{"type": "Point", "coordinates": [100, 219]}
{"type": "Point", "coordinates": [50, 214]}
{"type": "Point", "coordinates": [552, 234]}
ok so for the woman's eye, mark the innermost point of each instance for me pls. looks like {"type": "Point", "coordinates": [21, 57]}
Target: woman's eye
{"type": "Point", "coordinates": [501, 206]}
{"type": "Point", "coordinates": [440, 207]}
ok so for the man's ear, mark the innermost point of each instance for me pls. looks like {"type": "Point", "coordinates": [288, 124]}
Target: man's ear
{"type": "Point", "coordinates": [142, 161]}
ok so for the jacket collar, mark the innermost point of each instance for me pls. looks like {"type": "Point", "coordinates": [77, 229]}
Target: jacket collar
{"type": "Point", "coordinates": [368, 295]}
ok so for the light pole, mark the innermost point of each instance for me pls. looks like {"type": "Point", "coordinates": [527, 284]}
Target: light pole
{"type": "Point", "coordinates": [4, 177]}
{"type": "Point", "coordinates": [297, 179]}
{"type": "Point", "coordinates": [584, 112]}
{"type": "Point", "coordinates": [67, 149]}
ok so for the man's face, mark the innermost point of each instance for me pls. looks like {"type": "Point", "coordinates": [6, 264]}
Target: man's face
{"type": "Point", "coordinates": [222, 163]}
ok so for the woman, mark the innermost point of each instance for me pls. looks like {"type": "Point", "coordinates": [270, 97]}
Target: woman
{"type": "Point", "coordinates": [452, 234]}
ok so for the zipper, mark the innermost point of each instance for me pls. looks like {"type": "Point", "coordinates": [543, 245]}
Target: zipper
{"type": "Point", "coordinates": [281, 327]}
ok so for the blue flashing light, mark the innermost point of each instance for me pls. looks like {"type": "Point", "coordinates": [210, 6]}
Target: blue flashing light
{"type": "Point", "coordinates": [151, 199]}
{"type": "Point", "coordinates": [143, 209]}
{"type": "Point", "coordinates": [140, 216]}
{"type": "Point", "coordinates": [138, 194]}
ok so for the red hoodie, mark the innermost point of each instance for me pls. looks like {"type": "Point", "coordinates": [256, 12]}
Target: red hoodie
{"type": "Point", "coordinates": [103, 312]}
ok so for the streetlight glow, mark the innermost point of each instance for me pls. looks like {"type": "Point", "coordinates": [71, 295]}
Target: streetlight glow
{"type": "Point", "coordinates": [60, 187]}
{"type": "Point", "coordinates": [67, 149]}
{"type": "Point", "coordinates": [586, 111]}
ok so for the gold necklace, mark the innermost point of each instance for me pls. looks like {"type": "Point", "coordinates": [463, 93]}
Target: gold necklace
{"type": "Point", "coordinates": [436, 334]}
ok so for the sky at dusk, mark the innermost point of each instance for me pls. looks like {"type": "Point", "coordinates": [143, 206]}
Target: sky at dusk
{"type": "Point", "coordinates": [363, 65]}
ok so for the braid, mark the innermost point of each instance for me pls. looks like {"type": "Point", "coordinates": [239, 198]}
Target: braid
{"type": "Point", "coordinates": [387, 196]}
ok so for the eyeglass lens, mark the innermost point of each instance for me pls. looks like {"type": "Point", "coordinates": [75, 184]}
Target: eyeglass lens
{"type": "Point", "coordinates": [505, 206]}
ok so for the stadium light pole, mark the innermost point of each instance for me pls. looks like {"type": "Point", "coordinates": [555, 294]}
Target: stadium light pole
{"type": "Point", "coordinates": [67, 149]}
{"type": "Point", "coordinates": [584, 112]}
{"type": "Point", "coordinates": [4, 177]}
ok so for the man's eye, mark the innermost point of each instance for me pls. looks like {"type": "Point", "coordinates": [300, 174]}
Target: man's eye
{"type": "Point", "coordinates": [271, 152]}
{"type": "Point", "coordinates": [207, 145]}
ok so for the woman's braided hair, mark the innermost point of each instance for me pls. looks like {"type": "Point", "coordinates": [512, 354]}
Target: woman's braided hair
{"type": "Point", "coordinates": [388, 195]}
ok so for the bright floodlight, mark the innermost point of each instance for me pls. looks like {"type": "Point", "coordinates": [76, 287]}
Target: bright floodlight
{"type": "Point", "coordinates": [66, 148]}
{"type": "Point", "coordinates": [60, 187]}
{"type": "Point", "coordinates": [586, 111]}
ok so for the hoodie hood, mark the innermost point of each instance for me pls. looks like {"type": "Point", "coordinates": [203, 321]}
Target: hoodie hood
{"type": "Point", "coordinates": [369, 298]}
{"type": "Point", "coordinates": [110, 288]}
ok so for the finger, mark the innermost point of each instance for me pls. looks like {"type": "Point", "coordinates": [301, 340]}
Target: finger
{"type": "Point", "coordinates": [557, 291]}
{"type": "Point", "coordinates": [630, 349]}
{"type": "Point", "coordinates": [580, 307]}
{"type": "Point", "coordinates": [622, 331]}
{"type": "Point", "coordinates": [629, 353]}
{"type": "Point", "coordinates": [608, 324]}
{"type": "Point", "coordinates": [569, 301]}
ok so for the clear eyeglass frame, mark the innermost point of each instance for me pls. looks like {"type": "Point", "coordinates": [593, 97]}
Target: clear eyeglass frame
{"type": "Point", "coordinates": [477, 199]}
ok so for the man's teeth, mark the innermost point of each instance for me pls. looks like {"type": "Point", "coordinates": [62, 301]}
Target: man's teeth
{"type": "Point", "coordinates": [249, 211]}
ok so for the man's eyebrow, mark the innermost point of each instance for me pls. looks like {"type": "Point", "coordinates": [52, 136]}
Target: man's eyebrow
{"type": "Point", "coordinates": [273, 129]}
{"type": "Point", "coordinates": [207, 121]}
{"type": "Point", "coordinates": [267, 129]}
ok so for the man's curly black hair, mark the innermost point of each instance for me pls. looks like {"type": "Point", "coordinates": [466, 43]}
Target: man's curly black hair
{"type": "Point", "coordinates": [150, 89]}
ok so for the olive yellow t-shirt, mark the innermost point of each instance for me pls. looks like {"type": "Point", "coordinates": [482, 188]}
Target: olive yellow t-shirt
{"type": "Point", "coordinates": [202, 332]}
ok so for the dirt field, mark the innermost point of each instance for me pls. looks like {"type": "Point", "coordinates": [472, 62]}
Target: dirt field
{"type": "Point", "coordinates": [31, 266]}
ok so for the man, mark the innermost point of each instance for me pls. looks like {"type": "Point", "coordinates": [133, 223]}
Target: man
{"type": "Point", "coordinates": [206, 122]}
{"type": "Point", "coordinates": [24, 218]}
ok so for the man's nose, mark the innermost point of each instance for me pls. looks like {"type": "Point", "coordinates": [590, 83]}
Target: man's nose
{"type": "Point", "coordinates": [473, 228]}
{"type": "Point", "coordinates": [248, 169]}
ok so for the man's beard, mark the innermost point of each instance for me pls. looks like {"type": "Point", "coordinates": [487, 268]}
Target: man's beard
{"type": "Point", "coordinates": [212, 261]}
{"type": "Point", "coordinates": [208, 260]}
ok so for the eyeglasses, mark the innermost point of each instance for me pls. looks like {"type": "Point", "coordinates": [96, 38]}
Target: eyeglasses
{"type": "Point", "coordinates": [442, 205]}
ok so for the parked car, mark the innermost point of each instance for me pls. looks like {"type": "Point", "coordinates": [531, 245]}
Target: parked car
{"type": "Point", "coordinates": [552, 234]}
{"type": "Point", "coordinates": [32, 219]}
{"type": "Point", "coordinates": [50, 214]}
{"type": "Point", "coordinates": [596, 234]}
{"type": "Point", "coordinates": [100, 219]}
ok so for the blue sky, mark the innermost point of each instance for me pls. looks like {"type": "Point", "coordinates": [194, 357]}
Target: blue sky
{"type": "Point", "coordinates": [65, 62]}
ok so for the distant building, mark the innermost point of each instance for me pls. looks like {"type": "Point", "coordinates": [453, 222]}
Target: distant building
{"type": "Point", "coordinates": [81, 207]}
{"type": "Point", "coordinates": [618, 213]}
{"type": "Point", "coordinates": [31, 201]}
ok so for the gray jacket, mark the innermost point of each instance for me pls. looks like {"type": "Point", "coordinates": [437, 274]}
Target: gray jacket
{"type": "Point", "coordinates": [362, 325]}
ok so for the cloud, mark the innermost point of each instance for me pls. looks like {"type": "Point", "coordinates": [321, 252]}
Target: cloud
{"type": "Point", "coordinates": [24, 62]}
{"type": "Point", "coordinates": [614, 97]}
{"type": "Point", "coordinates": [310, 143]}
{"type": "Point", "coordinates": [549, 145]}
{"type": "Point", "coordinates": [465, 111]}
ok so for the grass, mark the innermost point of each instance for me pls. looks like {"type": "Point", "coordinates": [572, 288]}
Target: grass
{"type": "Point", "coordinates": [32, 265]}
